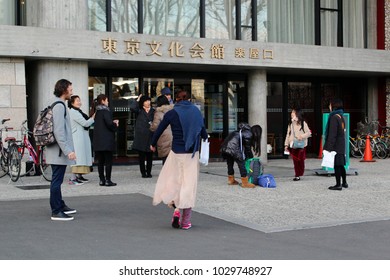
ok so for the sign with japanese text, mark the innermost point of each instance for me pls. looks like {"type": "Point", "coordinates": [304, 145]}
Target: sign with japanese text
{"type": "Point", "coordinates": [134, 47]}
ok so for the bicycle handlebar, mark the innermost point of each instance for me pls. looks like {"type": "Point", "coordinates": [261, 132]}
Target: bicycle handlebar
{"type": "Point", "coordinates": [4, 120]}
{"type": "Point", "coordinates": [25, 129]}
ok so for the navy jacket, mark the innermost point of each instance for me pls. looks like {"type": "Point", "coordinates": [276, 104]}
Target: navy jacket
{"type": "Point", "coordinates": [178, 145]}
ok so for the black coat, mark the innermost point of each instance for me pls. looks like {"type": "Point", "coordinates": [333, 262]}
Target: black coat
{"type": "Point", "coordinates": [231, 145]}
{"type": "Point", "coordinates": [104, 130]}
{"type": "Point", "coordinates": [335, 139]}
{"type": "Point", "coordinates": [142, 133]}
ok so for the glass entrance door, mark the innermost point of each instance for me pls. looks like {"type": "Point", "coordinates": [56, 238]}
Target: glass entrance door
{"type": "Point", "coordinates": [222, 104]}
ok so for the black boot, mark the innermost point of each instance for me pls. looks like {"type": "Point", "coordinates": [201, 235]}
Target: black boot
{"type": "Point", "coordinates": [344, 185]}
{"type": "Point", "coordinates": [149, 170]}
{"type": "Point", "coordinates": [109, 183]}
{"type": "Point", "coordinates": [336, 188]}
{"type": "Point", "coordinates": [102, 182]}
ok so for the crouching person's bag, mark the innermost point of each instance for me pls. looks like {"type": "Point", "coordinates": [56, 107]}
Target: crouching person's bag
{"type": "Point", "coordinates": [267, 181]}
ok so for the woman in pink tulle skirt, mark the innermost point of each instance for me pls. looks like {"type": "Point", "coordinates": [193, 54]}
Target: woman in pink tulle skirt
{"type": "Point", "coordinates": [178, 179]}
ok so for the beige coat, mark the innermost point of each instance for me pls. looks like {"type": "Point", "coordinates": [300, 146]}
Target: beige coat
{"type": "Point", "coordinates": [164, 143]}
{"type": "Point", "coordinates": [298, 132]}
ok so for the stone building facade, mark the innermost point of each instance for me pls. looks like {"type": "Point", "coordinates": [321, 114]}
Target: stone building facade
{"type": "Point", "coordinates": [239, 77]}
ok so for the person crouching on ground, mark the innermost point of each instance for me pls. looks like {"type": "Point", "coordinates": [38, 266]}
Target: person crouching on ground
{"type": "Point", "coordinates": [237, 147]}
{"type": "Point", "coordinates": [178, 180]}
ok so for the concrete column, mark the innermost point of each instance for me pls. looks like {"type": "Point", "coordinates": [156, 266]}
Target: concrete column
{"type": "Point", "coordinates": [372, 24]}
{"type": "Point", "coordinates": [60, 14]}
{"type": "Point", "coordinates": [44, 75]}
{"type": "Point", "coordinates": [257, 105]}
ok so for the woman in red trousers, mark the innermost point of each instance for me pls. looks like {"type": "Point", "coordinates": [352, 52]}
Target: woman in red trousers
{"type": "Point", "coordinates": [297, 130]}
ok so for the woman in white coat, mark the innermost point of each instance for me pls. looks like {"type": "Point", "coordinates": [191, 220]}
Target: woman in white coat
{"type": "Point", "coordinates": [82, 143]}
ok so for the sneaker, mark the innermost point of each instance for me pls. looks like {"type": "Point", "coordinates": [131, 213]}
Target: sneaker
{"type": "Point", "coordinates": [187, 226]}
{"type": "Point", "coordinates": [75, 182]}
{"type": "Point", "coordinates": [68, 210]}
{"type": "Point", "coordinates": [296, 179]}
{"type": "Point", "coordinates": [61, 216]}
{"type": "Point", "coordinates": [176, 219]}
{"type": "Point", "coordinates": [82, 179]}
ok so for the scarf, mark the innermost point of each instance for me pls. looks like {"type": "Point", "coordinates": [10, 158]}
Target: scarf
{"type": "Point", "coordinates": [85, 116]}
{"type": "Point", "coordinates": [331, 114]}
{"type": "Point", "coordinates": [191, 121]}
{"type": "Point", "coordinates": [102, 107]}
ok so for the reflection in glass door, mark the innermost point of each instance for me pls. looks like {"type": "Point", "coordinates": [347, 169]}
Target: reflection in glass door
{"type": "Point", "coordinates": [224, 110]}
{"type": "Point", "coordinates": [124, 92]}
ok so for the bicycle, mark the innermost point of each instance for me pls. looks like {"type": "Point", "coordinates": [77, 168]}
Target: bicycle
{"type": "Point", "coordinates": [9, 156]}
{"type": "Point", "coordinates": [31, 157]}
{"type": "Point", "coordinates": [356, 147]}
{"type": "Point", "coordinates": [385, 136]}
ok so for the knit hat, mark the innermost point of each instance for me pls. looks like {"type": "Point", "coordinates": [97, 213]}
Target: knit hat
{"type": "Point", "coordinates": [142, 100]}
{"type": "Point", "coordinates": [166, 91]}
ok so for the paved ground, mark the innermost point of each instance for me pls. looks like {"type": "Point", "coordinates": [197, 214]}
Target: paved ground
{"type": "Point", "coordinates": [297, 220]}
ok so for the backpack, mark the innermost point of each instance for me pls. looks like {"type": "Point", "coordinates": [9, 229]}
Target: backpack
{"type": "Point", "coordinates": [267, 181]}
{"type": "Point", "coordinates": [254, 169]}
{"type": "Point", "coordinates": [43, 127]}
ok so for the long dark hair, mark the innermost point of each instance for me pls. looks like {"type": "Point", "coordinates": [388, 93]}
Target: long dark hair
{"type": "Point", "coordinates": [299, 115]}
{"type": "Point", "coordinates": [256, 138]}
{"type": "Point", "coordinates": [100, 98]}
{"type": "Point", "coordinates": [162, 100]}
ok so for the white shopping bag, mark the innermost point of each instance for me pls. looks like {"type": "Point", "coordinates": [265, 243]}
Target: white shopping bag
{"type": "Point", "coordinates": [328, 159]}
{"type": "Point", "coordinates": [204, 152]}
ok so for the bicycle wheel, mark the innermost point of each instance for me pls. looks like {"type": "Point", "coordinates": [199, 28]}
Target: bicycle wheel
{"type": "Point", "coordinates": [14, 162]}
{"type": "Point", "coordinates": [361, 144]}
{"type": "Point", "coordinates": [354, 150]}
{"type": "Point", "coordinates": [3, 166]}
{"type": "Point", "coordinates": [27, 165]}
{"type": "Point", "coordinates": [381, 150]}
{"type": "Point", "coordinates": [43, 166]}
